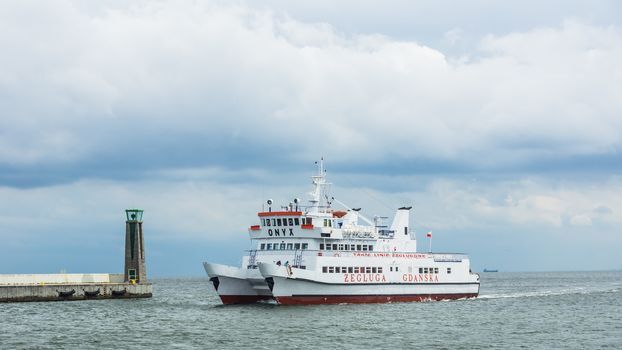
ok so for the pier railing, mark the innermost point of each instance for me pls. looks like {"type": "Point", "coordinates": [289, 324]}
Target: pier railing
{"type": "Point", "coordinates": [60, 278]}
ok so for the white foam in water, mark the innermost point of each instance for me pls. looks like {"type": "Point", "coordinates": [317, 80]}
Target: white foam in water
{"type": "Point", "coordinates": [547, 293]}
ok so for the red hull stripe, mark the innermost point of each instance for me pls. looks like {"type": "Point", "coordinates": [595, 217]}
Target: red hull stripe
{"type": "Point", "coordinates": [243, 299]}
{"type": "Point", "coordinates": [280, 213]}
{"type": "Point", "coordinates": [366, 299]}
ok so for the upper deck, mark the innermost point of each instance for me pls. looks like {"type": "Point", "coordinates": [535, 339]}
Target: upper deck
{"type": "Point", "coordinates": [318, 223]}
{"type": "Point", "coordinates": [296, 224]}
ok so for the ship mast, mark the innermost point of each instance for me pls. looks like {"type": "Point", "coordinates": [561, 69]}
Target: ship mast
{"type": "Point", "coordinates": [319, 183]}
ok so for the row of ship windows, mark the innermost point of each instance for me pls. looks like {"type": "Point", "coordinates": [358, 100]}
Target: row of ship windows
{"type": "Point", "coordinates": [285, 222]}
{"type": "Point", "coordinates": [368, 269]}
{"type": "Point", "coordinates": [353, 247]}
{"type": "Point", "coordinates": [283, 246]}
{"type": "Point", "coordinates": [428, 270]}
{"type": "Point", "coordinates": [350, 269]}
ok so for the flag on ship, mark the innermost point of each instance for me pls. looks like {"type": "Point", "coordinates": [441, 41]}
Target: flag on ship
{"type": "Point", "coordinates": [429, 235]}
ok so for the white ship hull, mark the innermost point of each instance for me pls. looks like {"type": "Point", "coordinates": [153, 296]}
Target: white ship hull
{"type": "Point", "coordinates": [235, 285]}
{"type": "Point", "coordinates": [295, 287]}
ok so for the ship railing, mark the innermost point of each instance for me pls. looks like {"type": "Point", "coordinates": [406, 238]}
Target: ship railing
{"type": "Point", "coordinates": [292, 257]}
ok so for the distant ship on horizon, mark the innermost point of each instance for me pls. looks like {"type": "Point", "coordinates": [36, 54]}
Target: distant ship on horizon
{"type": "Point", "coordinates": [491, 270]}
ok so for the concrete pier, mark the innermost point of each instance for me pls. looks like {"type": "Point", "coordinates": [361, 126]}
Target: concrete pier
{"type": "Point", "coordinates": [87, 286]}
{"type": "Point", "coordinates": [60, 287]}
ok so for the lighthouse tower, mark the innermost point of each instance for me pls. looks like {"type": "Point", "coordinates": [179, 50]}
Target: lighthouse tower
{"type": "Point", "coordinates": [135, 270]}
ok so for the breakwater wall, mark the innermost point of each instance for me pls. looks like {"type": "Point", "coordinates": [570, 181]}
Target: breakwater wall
{"type": "Point", "coordinates": [61, 287]}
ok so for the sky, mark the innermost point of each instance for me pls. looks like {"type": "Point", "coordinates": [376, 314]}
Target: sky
{"type": "Point", "coordinates": [500, 122]}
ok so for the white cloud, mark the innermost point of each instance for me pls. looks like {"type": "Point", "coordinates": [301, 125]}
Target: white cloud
{"type": "Point", "coordinates": [82, 81]}
{"type": "Point", "coordinates": [202, 208]}
{"type": "Point", "coordinates": [581, 220]}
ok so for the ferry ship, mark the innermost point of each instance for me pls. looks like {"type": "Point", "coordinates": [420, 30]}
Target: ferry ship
{"type": "Point", "coordinates": [314, 254]}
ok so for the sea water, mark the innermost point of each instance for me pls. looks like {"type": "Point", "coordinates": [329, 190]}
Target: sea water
{"type": "Point", "coordinates": [544, 310]}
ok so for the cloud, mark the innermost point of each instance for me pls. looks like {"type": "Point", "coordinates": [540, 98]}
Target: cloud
{"type": "Point", "coordinates": [180, 84]}
{"type": "Point", "coordinates": [581, 220]}
{"type": "Point", "coordinates": [199, 205]}
{"type": "Point", "coordinates": [199, 111]}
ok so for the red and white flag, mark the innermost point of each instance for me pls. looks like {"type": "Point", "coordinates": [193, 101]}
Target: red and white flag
{"type": "Point", "coordinates": [429, 235]}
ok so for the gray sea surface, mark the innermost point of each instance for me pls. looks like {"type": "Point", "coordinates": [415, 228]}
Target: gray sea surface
{"type": "Point", "coordinates": [544, 310]}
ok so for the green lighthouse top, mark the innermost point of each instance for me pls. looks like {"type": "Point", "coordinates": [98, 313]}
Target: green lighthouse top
{"type": "Point", "coordinates": [134, 214]}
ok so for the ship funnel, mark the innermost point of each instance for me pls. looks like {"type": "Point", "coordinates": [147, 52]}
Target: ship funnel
{"type": "Point", "coordinates": [400, 223]}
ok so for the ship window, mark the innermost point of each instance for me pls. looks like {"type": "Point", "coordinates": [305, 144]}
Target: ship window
{"type": "Point", "coordinates": [352, 247]}
{"type": "Point", "coordinates": [334, 247]}
{"type": "Point", "coordinates": [449, 270]}
{"type": "Point", "coordinates": [373, 270]}
{"type": "Point", "coordinates": [305, 245]}
{"type": "Point", "coordinates": [356, 269]}
{"type": "Point", "coordinates": [361, 269]}
{"type": "Point", "coordinates": [282, 246]}
{"type": "Point", "coordinates": [290, 221]}
{"type": "Point", "coordinates": [337, 269]}
{"type": "Point", "coordinates": [331, 269]}
{"type": "Point", "coordinates": [358, 247]}
{"type": "Point", "coordinates": [380, 269]}
{"type": "Point", "coordinates": [278, 222]}
{"type": "Point", "coordinates": [263, 246]}
{"type": "Point", "coordinates": [296, 245]}
{"type": "Point", "coordinates": [289, 246]}
{"type": "Point", "coordinates": [371, 247]}
{"type": "Point", "coordinates": [390, 268]}
{"type": "Point", "coordinates": [328, 247]}
{"type": "Point", "coordinates": [425, 270]}
{"type": "Point", "coordinates": [321, 246]}
{"type": "Point", "coordinates": [263, 222]}
{"type": "Point", "coordinates": [368, 269]}
{"type": "Point", "coordinates": [397, 268]}
{"type": "Point", "coordinates": [350, 269]}
{"type": "Point", "coordinates": [330, 223]}
{"type": "Point", "coordinates": [421, 270]}
{"type": "Point", "coordinates": [269, 246]}
{"type": "Point", "coordinates": [273, 222]}
{"type": "Point", "coordinates": [267, 223]}
{"type": "Point", "coordinates": [364, 247]}
{"type": "Point", "coordinates": [324, 269]}
{"type": "Point", "coordinates": [341, 247]}
{"type": "Point", "coordinates": [436, 270]}
{"type": "Point", "coordinates": [296, 221]}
